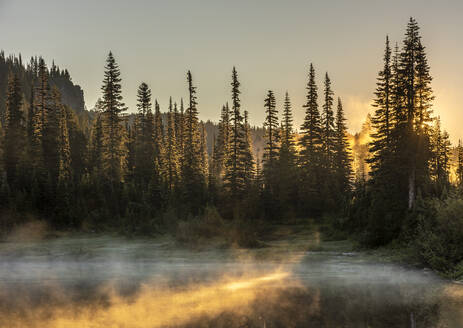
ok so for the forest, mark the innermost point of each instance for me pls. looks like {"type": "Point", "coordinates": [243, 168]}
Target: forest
{"type": "Point", "coordinates": [154, 172]}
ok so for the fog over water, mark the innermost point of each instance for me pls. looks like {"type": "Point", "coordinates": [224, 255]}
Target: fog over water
{"type": "Point", "coordinates": [114, 282]}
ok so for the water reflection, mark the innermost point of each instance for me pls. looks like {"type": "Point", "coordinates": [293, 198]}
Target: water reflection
{"type": "Point", "coordinates": [142, 284]}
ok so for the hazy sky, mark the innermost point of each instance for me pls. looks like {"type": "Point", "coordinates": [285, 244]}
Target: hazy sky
{"type": "Point", "coordinates": [271, 43]}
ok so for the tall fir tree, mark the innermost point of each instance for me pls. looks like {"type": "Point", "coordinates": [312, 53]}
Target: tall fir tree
{"type": "Point", "coordinates": [459, 170]}
{"type": "Point", "coordinates": [204, 152]}
{"type": "Point", "coordinates": [193, 180]}
{"type": "Point", "coordinates": [42, 94]}
{"type": "Point", "coordinates": [234, 168]}
{"type": "Point", "coordinates": [328, 125]}
{"type": "Point", "coordinates": [14, 130]}
{"type": "Point", "coordinates": [288, 145]}
{"type": "Point", "coordinates": [144, 136]}
{"type": "Point", "coordinates": [64, 148]}
{"type": "Point", "coordinates": [440, 158]}
{"type": "Point", "coordinates": [310, 144]}
{"type": "Point", "coordinates": [114, 151]}
{"type": "Point", "coordinates": [342, 157]}
{"type": "Point", "coordinates": [248, 158]}
{"type": "Point", "coordinates": [310, 141]}
{"type": "Point", "coordinates": [287, 160]}
{"type": "Point", "coordinates": [171, 154]}
{"type": "Point", "coordinates": [382, 120]}
{"type": "Point", "coordinates": [97, 145]}
{"type": "Point", "coordinates": [159, 141]}
{"type": "Point", "coordinates": [272, 133]}
{"type": "Point", "coordinates": [222, 145]}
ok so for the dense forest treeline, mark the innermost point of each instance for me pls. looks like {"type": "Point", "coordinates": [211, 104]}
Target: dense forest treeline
{"type": "Point", "coordinates": [106, 169]}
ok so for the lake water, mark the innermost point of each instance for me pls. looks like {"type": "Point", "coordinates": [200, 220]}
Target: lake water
{"type": "Point", "coordinates": [114, 282]}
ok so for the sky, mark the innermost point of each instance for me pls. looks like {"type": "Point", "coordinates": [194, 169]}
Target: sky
{"type": "Point", "coordinates": [271, 43]}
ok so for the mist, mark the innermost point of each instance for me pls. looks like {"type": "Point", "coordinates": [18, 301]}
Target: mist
{"type": "Point", "coordinates": [109, 281]}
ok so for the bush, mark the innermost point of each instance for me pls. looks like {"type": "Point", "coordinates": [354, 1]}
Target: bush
{"type": "Point", "coordinates": [211, 227]}
{"type": "Point", "coordinates": [440, 236]}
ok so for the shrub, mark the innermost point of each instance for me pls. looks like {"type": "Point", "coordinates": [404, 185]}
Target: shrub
{"type": "Point", "coordinates": [440, 235]}
{"type": "Point", "coordinates": [211, 227]}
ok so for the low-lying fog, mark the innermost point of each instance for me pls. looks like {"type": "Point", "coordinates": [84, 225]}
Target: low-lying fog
{"type": "Point", "coordinates": [114, 282]}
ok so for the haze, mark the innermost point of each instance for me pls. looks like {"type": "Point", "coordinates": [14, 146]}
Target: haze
{"type": "Point", "coordinates": [270, 42]}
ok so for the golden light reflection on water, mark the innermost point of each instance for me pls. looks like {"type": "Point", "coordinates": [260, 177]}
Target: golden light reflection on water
{"type": "Point", "coordinates": [153, 307]}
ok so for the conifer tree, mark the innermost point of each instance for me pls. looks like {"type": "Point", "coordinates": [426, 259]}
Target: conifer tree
{"type": "Point", "coordinates": [14, 135]}
{"type": "Point", "coordinates": [234, 172]}
{"type": "Point", "coordinates": [42, 103]}
{"type": "Point", "coordinates": [97, 145]}
{"type": "Point", "coordinates": [417, 100]}
{"type": "Point", "coordinates": [222, 145]}
{"type": "Point", "coordinates": [131, 145]}
{"type": "Point", "coordinates": [328, 125]}
{"type": "Point", "coordinates": [342, 157]}
{"type": "Point", "coordinates": [310, 145]}
{"type": "Point", "coordinates": [271, 149]}
{"type": "Point", "coordinates": [287, 160]}
{"type": "Point", "coordinates": [177, 129]}
{"type": "Point", "coordinates": [171, 158]}
{"type": "Point", "coordinates": [145, 133]}
{"type": "Point", "coordinates": [440, 158]}
{"type": "Point", "coordinates": [248, 158]}
{"type": "Point", "coordinates": [259, 179]}
{"type": "Point", "coordinates": [30, 123]}
{"type": "Point", "coordinates": [407, 157]}
{"type": "Point", "coordinates": [204, 153]}
{"type": "Point", "coordinates": [181, 130]}
{"type": "Point", "coordinates": [272, 133]}
{"type": "Point", "coordinates": [64, 148]}
{"type": "Point", "coordinates": [159, 141]}
{"type": "Point", "coordinates": [310, 142]}
{"type": "Point", "coordinates": [382, 120]}
{"type": "Point", "coordinates": [192, 174]}
{"type": "Point", "coordinates": [51, 135]}
{"type": "Point", "coordinates": [114, 151]}
{"type": "Point", "coordinates": [459, 170]}
{"type": "Point", "coordinates": [288, 147]}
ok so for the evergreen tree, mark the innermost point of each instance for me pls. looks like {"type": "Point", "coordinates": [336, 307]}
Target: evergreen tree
{"type": "Point", "coordinates": [159, 142]}
{"type": "Point", "coordinates": [440, 160]}
{"type": "Point", "coordinates": [30, 124]}
{"type": "Point", "coordinates": [271, 155]}
{"type": "Point", "coordinates": [145, 134]}
{"type": "Point", "coordinates": [41, 102]}
{"type": "Point", "coordinates": [97, 146]}
{"type": "Point", "coordinates": [181, 130]}
{"type": "Point", "coordinates": [288, 146]}
{"type": "Point", "coordinates": [382, 120]}
{"type": "Point", "coordinates": [417, 99]}
{"type": "Point", "coordinates": [248, 158]}
{"type": "Point", "coordinates": [51, 135]}
{"type": "Point", "coordinates": [310, 141]}
{"type": "Point", "coordinates": [222, 145]}
{"type": "Point", "coordinates": [234, 168]}
{"type": "Point", "coordinates": [271, 150]}
{"type": "Point", "coordinates": [14, 135]}
{"type": "Point", "coordinates": [328, 125]}
{"type": "Point", "coordinates": [459, 170]}
{"type": "Point", "coordinates": [114, 151]}
{"type": "Point", "coordinates": [64, 148]}
{"type": "Point", "coordinates": [342, 158]}
{"type": "Point", "coordinates": [405, 158]}
{"type": "Point", "coordinates": [204, 153]}
{"type": "Point", "coordinates": [171, 158]}
{"type": "Point", "coordinates": [192, 174]}
{"type": "Point", "coordinates": [310, 149]}
{"type": "Point", "coordinates": [287, 159]}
